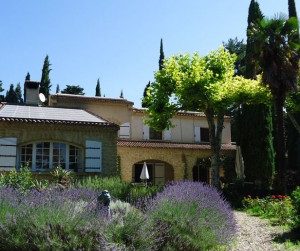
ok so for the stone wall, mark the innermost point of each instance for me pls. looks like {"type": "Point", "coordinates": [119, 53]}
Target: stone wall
{"type": "Point", "coordinates": [72, 134]}
{"type": "Point", "coordinates": [132, 155]}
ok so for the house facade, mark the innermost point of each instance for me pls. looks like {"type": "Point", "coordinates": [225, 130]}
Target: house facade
{"type": "Point", "coordinates": [47, 137]}
{"type": "Point", "coordinates": [171, 154]}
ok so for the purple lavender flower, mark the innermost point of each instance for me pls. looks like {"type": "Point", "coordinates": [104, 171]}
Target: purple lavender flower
{"type": "Point", "coordinates": [214, 213]}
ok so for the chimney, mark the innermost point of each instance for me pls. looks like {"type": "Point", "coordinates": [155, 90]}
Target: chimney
{"type": "Point", "coordinates": [32, 89]}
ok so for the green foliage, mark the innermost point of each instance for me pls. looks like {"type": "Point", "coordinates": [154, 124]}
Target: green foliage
{"type": "Point", "coordinates": [185, 226]}
{"type": "Point", "coordinates": [45, 85]}
{"type": "Point", "coordinates": [73, 89]}
{"type": "Point", "coordinates": [98, 90]}
{"type": "Point", "coordinates": [161, 55]}
{"type": "Point", "coordinates": [117, 188]}
{"type": "Point", "coordinates": [234, 46]}
{"type": "Point", "coordinates": [145, 94]}
{"type": "Point", "coordinates": [62, 176]}
{"type": "Point", "coordinates": [201, 84]}
{"type": "Point", "coordinates": [277, 208]}
{"type": "Point", "coordinates": [57, 89]}
{"type": "Point", "coordinates": [133, 232]}
{"type": "Point", "coordinates": [296, 202]}
{"type": "Point", "coordinates": [18, 92]}
{"type": "Point", "coordinates": [251, 63]}
{"type": "Point", "coordinates": [21, 179]}
{"type": "Point", "coordinates": [11, 96]}
{"type": "Point", "coordinates": [44, 227]}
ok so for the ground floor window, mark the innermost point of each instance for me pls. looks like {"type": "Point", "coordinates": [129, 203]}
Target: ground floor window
{"type": "Point", "coordinates": [156, 172]}
{"type": "Point", "coordinates": [42, 156]}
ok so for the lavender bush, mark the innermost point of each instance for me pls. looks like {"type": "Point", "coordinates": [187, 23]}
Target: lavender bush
{"type": "Point", "coordinates": [197, 216]}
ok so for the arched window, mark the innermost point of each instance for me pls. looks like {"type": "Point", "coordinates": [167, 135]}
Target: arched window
{"type": "Point", "coordinates": [42, 156]}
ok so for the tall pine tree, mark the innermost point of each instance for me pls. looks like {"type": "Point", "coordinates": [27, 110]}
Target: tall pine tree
{"type": "Point", "coordinates": [98, 89]}
{"type": "Point", "coordinates": [255, 121]}
{"type": "Point", "coordinates": [160, 66]}
{"type": "Point", "coordinates": [45, 85]}
{"type": "Point", "coordinates": [18, 92]}
{"type": "Point", "coordinates": [27, 78]}
{"type": "Point", "coordinates": [11, 96]}
{"type": "Point", "coordinates": [1, 90]}
{"type": "Point", "coordinates": [293, 137]}
{"type": "Point", "coordinates": [161, 55]}
{"type": "Point", "coordinates": [57, 89]}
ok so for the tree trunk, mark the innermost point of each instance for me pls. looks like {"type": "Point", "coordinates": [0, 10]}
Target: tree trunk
{"type": "Point", "coordinates": [215, 137]}
{"type": "Point", "coordinates": [280, 145]}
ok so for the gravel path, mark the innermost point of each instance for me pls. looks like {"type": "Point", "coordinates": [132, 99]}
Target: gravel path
{"type": "Point", "coordinates": [255, 234]}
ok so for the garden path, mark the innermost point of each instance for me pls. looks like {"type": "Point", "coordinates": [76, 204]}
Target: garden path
{"type": "Point", "coordinates": [255, 234]}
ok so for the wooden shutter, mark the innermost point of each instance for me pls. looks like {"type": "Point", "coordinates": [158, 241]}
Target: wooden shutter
{"type": "Point", "coordinates": [8, 153]}
{"type": "Point", "coordinates": [197, 134]}
{"type": "Point", "coordinates": [124, 132]}
{"type": "Point", "coordinates": [93, 156]}
{"type": "Point", "coordinates": [167, 134]}
{"type": "Point", "coordinates": [145, 132]}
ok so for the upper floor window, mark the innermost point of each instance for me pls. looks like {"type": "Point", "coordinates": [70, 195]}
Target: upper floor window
{"type": "Point", "coordinates": [201, 134]}
{"type": "Point", "coordinates": [47, 155]}
{"type": "Point", "coordinates": [124, 132]}
{"type": "Point", "coordinates": [150, 133]}
{"type": "Point", "coordinates": [204, 134]}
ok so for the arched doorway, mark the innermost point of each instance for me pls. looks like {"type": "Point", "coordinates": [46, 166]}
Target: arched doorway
{"type": "Point", "coordinates": [160, 172]}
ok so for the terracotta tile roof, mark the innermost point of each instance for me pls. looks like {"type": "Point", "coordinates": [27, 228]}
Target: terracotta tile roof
{"type": "Point", "coordinates": [86, 98]}
{"type": "Point", "coordinates": [173, 145]}
{"type": "Point", "coordinates": [180, 113]}
{"type": "Point", "coordinates": [50, 115]}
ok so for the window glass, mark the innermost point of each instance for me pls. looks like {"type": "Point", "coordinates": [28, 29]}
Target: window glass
{"type": "Point", "coordinates": [26, 155]}
{"type": "Point", "coordinates": [49, 155]}
{"type": "Point", "coordinates": [42, 155]}
{"type": "Point", "coordinates": [204, 132]}
{"type": "Point", "coordinates": [59, 155]}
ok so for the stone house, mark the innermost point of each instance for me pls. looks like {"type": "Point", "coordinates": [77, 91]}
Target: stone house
{"type": "Point", "coordinates": [45, 137]}
{"type": "Point", "coordinates": [170, 155]}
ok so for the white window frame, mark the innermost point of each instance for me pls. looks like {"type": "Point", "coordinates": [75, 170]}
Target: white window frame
{"type": "Point", "coordinates": [33, 167]}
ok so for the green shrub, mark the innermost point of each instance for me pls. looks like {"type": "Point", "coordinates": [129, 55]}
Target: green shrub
{"type": "Point", "coordinates": [296, 202]}
{"type": "Point", "coordinates": [21, 179]}
{"type": "Point", "coordinates": [277, 208]}
{"type": "Point", "coordinates": [62, 176]}
{"type": "Point", "coordinates": [114, 185]}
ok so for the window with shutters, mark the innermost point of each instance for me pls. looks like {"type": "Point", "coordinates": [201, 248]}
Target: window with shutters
{"type": "Point", "coordinates": [43, 156]}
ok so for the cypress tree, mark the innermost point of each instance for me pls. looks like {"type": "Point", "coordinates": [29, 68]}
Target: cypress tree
{"type": "Point", "coordinates": [45, 85]}
{"type": "Point", "coordinates": [161, 55]}
{"type": "Point", "coordinates": [27, 78]}
{"type": "Point", "coordinates": [293, 137]}
{"type": "Point", "coordinates": [18, 92]}
{"type": "Point", "coordinates": [160, 66]}
{"type": "Point", "coordinates": [121, 94]}
{"type": "Point", "coordinates": [98, 89]}
{"type": "Point", "coordinates": [57, 89]}
{"type": "Point", "coordinates": [144, 102]}
{"type": "Point", "coordinates": [1, 90]}
{"type": "Point", "coordinates": [292, 8]}
{"type": "Point", "coordinates": [255, 121]}
{"type": "Point", "coordinates": [11, 96]}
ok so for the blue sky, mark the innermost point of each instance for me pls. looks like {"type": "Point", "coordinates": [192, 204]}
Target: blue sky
{"type": "Point", "coordinates": [116, 41]}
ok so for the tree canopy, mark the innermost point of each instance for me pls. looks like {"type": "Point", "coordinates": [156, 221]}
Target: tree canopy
{"type": "Point", "coordinates": [45, 85]}
{"type": "Point", "coordinates": [208, 84]}
{"type": "Point", "coordinates": [73, 89]}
